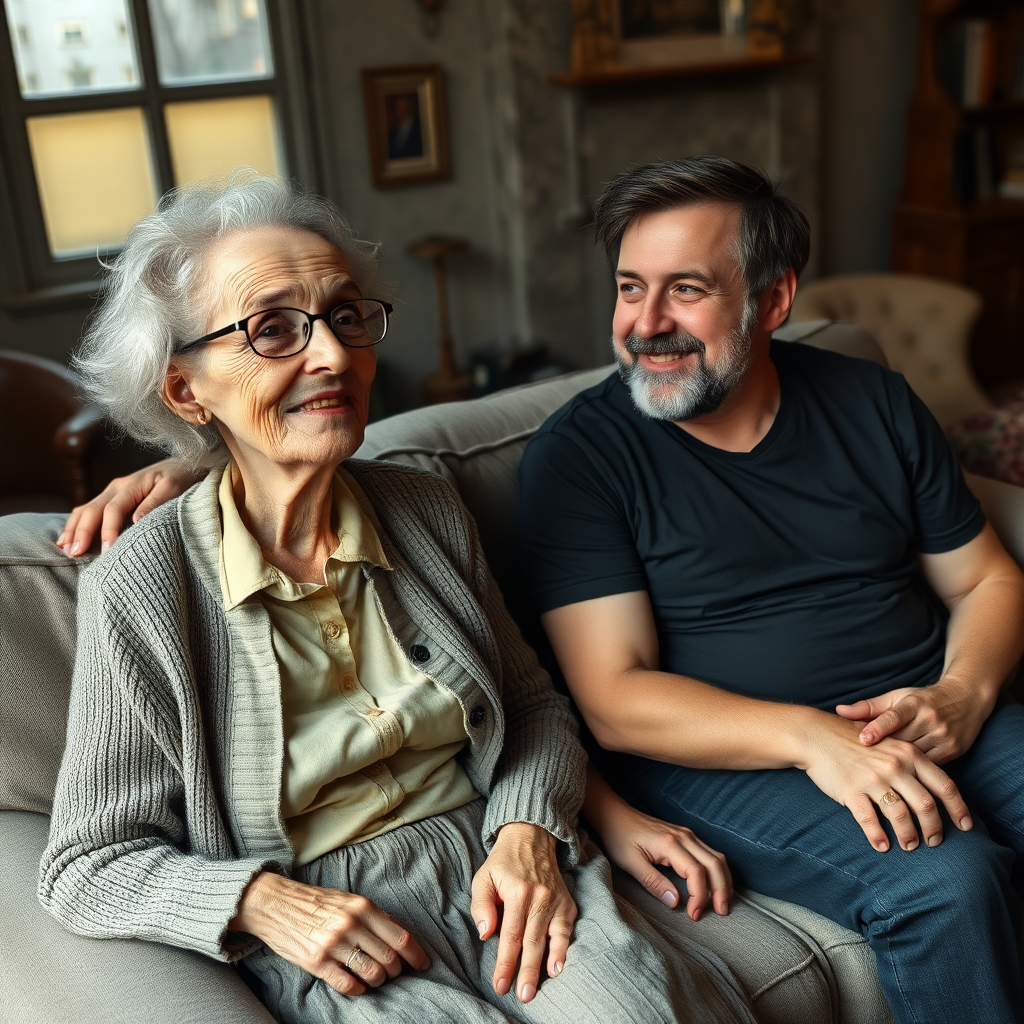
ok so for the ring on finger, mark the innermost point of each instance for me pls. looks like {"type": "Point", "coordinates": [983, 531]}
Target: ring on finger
{"type": "Point", "coordinates": [357, 959]}
{"type": "Point", "coordinates": [890, 797]}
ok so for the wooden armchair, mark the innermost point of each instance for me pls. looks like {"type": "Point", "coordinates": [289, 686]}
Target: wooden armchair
{"type": "Point", "coordinates": [54, 451]}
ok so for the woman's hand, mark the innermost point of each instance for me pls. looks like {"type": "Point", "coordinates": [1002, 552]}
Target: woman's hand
{"type": "Point", "coordinates": [637, 842]}
{"type": "Point", "coordinates": [892, 775]}
{"type": "Point", "coordinates": [341, 938]}
{"type": "Point", "coordinates": [137, 494]}
{"type": "Point", "coordinates": [537, 911]}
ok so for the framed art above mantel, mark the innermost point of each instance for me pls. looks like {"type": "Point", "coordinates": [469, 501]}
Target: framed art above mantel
{"type": "Point", "coordinates": [621, 41]}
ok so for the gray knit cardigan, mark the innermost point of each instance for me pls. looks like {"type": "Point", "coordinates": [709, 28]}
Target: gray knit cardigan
{"type": "Point", "coordinates": [169, 795]}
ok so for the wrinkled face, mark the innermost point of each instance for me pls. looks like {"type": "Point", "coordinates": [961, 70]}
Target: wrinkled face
{"type": "Point", "coordinates": [678, 331]}
{"type": "Point", "coordinates": [309, 408]}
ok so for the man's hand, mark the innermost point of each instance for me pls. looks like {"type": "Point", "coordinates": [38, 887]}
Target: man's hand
{"type": "Point", "coordinates": [892, 775]}
{"type": "Point", "coordinates": [341, 938]}
{"type": "Point", "coordinates": [537, 911]}
{"type": "Point", "coordinates": [135, 494]}
{"type": "Point", "coordinates": [941, 720]}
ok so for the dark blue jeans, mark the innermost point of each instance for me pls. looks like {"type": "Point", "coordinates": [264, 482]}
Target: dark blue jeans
{"type": "Point", "coordinates": [943, 921]}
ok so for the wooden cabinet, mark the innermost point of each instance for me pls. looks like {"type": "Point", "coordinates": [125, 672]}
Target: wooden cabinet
{"type": "Point", "coordinates": [963, 145]}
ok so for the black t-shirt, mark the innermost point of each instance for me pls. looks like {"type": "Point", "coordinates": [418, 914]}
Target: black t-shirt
{"type": "Point", "coordinates": [786, 573]}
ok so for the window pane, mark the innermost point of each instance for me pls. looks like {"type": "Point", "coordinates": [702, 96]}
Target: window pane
{"type": "Point", "coordinates": [210, 40]}
{"type": "Point", "coordinates": [63, 47]}
{"type": "Point", "coordinates": [210, 138]}
{"type": "Point", "coordinates": [95, 177]}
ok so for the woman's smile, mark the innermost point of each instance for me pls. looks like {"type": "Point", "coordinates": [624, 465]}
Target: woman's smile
{"type": "Point", "coordinates": [326, 403]}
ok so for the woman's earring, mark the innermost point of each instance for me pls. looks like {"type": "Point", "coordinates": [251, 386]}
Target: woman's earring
{"type": "Point", "coordinates": [202, 417]}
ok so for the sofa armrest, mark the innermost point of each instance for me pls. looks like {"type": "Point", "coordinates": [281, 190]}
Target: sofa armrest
{"type": "Point", "coordinates": [54, 977]}
{"type": "Point", "coordinates": [1003, 505]}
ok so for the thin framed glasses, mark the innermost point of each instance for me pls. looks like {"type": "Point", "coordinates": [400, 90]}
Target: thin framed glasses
{"type": "Point", "coordinates": [279, 333]}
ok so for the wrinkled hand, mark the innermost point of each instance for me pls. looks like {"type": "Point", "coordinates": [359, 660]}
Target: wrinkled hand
{"type": "Point", "coordinates": [135, 494]}
{"type": "Point", "coordinates": [637, 842]}
{"type": "Point", "coordinates": [522, 875]}
{"type": "Point", "coordinates": [337, 936]}
{"type": "Point", "coordinates": [857, 776]}
{"type": "Point", "coordinates": [941, 720]}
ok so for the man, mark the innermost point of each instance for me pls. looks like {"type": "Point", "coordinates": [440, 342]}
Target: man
{"type": "Point", "coordinates": [766, 582]}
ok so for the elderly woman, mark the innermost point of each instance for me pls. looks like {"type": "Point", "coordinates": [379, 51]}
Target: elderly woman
{"type": "Point", "coordinates": [303, 729]}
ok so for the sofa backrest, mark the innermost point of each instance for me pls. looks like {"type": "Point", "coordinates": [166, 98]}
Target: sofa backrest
{"type": "Point", "coordinates": [476, 445]}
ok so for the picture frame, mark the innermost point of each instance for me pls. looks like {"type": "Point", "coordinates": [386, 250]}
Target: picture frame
{"type": "Point", "coordinates": [665, 32]}
{"type": "Point", "coordinates": [406, 124]}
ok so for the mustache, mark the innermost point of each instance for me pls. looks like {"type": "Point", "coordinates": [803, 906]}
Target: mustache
{"type": "Point", "coordinates": [661, 343]}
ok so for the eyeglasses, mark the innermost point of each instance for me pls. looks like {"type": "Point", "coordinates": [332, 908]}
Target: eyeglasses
{"type": "Point", "coordinates": [283, 332]}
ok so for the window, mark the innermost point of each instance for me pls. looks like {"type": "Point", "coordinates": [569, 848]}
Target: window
{"type": "Point", "coordinates": [116, 101]}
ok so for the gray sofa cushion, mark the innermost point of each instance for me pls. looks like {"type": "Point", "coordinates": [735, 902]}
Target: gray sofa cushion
{"type": "Point", "coordinates": [37, 649]}
{"type": "Point", "coordinates": [53, 977]}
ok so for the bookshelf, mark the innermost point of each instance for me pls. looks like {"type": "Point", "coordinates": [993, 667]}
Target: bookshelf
{"type": "Point", "coordinates": [961, 210]}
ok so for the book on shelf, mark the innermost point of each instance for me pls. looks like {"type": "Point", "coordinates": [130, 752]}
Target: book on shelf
{"type": "Point", "coordinates": [965, 61]}
{"type": "Point", "coordinates": [1011, 185]}
{"type": "Point", "coordinates": [974, 164]}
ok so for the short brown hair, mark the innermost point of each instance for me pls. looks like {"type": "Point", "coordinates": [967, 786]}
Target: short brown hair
{"type": "Point", "coordinates": [774, 234]}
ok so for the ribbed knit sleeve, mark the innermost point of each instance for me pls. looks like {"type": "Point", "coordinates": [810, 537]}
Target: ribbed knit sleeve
{"type": "Point", "coordinates": [540, 776]}
{"type": "Point", "coordinates": [137, 848]}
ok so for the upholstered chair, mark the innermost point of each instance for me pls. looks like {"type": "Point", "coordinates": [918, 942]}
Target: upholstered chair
{"type": "Point", "coordinates": [922, 325]}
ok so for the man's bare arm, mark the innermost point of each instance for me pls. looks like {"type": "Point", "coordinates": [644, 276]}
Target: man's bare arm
{"type": "Point", "coordinates": [608, 650]}
{"type": "Point", "coordinates": [983, 588]}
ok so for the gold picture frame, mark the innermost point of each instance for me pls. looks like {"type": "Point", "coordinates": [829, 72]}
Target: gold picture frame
{"type": "Point", "coordinates": [406, 124]}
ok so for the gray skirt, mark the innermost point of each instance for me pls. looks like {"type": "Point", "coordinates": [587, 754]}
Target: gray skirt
{"type": "Point", "coordinates": [619, 969]}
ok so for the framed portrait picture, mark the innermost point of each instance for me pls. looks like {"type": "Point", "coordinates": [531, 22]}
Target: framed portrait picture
{"type": "Point", "coordinates": [407, 124]}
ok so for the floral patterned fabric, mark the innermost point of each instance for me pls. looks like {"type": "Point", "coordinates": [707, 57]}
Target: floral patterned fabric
{"type": "Point", "coordinates": [992, 443]}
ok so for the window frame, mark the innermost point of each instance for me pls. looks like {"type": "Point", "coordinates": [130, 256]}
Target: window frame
{"type": "Point", "coordinates": [40, 279]}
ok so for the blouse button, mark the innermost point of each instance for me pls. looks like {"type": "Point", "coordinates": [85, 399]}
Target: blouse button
{"type": "Point", "coordinates": [332, 631]}
{"type": "Point", "coordinates": [374, 770]}
{"type": "Point", "coordinates": [348, 682]}
{"type": "Point", "coordinates": [419, 653]}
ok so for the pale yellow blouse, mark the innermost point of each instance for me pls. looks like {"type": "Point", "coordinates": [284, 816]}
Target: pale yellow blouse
{"type": "Point", "coordinates": [370, 740]}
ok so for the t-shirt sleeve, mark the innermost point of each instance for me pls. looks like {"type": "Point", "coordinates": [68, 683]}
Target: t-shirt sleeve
{"type": "Point", "coordinates": [574, 531]}
{"type": "Point", "coordinates": [947, 515]}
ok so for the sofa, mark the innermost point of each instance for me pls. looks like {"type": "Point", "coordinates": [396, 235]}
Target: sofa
{"type": "Point", "coordinates": [792, 966]}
